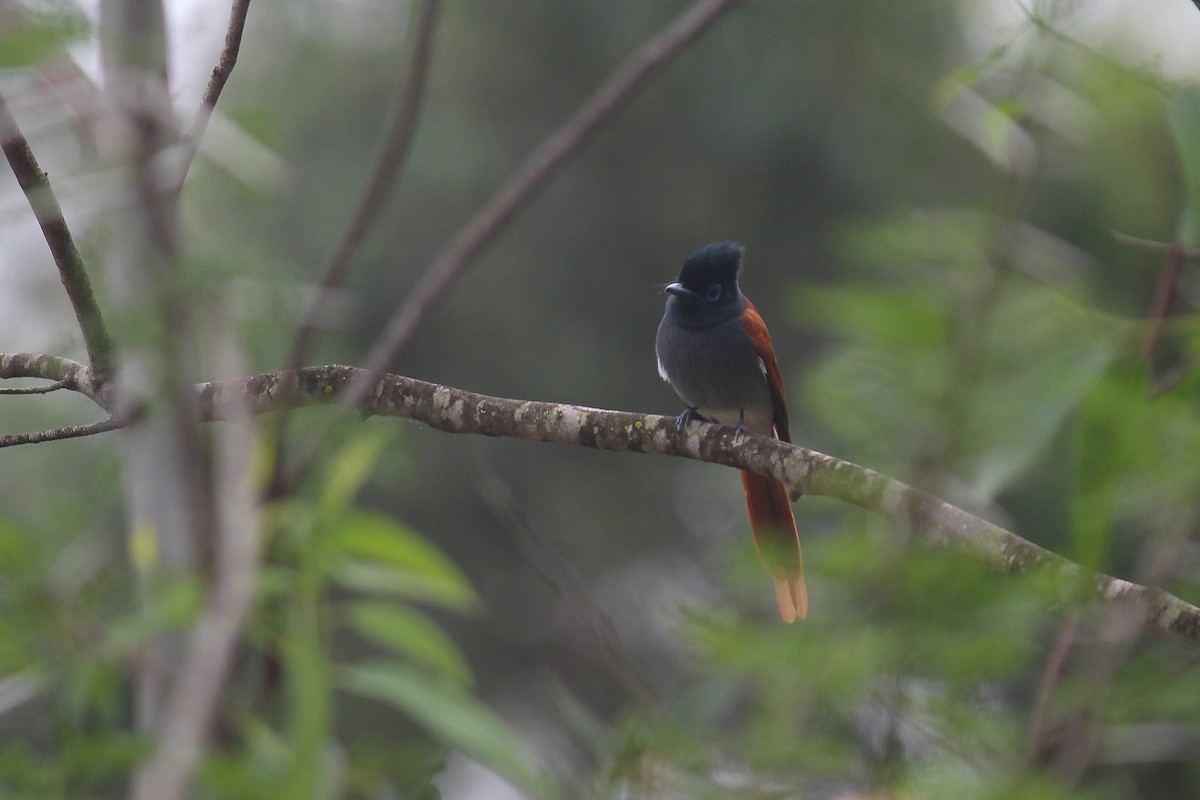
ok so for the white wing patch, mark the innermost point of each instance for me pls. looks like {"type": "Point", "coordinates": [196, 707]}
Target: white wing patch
{"type": "Point", "coordinates": [762, 366]}
{"type": "Point", "coordinates": [662, 371]}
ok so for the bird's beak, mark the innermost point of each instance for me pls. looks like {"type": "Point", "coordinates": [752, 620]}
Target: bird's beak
{"type": "Point", "coordinates": [679, 290]}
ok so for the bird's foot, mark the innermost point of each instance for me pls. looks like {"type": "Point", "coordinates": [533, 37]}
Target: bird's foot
{"type": "Point", "coordinates": [739, 430]}
{"type": "Point", "coordinates": [690, 413]}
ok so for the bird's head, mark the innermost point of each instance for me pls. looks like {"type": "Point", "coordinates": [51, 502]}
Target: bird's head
{"type": "Point", "coordinates": [707, 290]}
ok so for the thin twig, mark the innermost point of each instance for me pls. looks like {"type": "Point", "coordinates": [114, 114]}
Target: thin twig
{"type": "Point", "coordinates": [58, 434]}
{"type": "Point", "coordinates": [520, 187]}
{"type": "Point", "coordinates": [71, 269]}
{"type": "Point", "coordinates": [1153, 245]}
{"type": "Point", "coordinates": [216, 83]}
{"type": "Point", "coordinates": [1168, 284]}
{"type": "Point", "coordinates": [564, 580]}
{"type": "Point", "coordinates": [391, 158]}
{"type": "Point", "coordinates": [1164, 298]}
{"type": "Point", "coordinates": [1142, 76]}
{"type": "Point", "coordinates": [47, 389]}
{"type": "Point", "coordinates": [1052, 672]}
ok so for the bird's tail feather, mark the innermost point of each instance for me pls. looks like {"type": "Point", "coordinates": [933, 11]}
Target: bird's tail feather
{"type": "Point", "coordinates": [777, 541]}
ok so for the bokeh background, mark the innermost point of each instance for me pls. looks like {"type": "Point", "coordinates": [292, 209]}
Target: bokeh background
{"type": "Point", "coordinates": [927, 192]}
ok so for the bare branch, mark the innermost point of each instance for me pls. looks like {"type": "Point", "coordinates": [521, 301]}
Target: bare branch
{"type": "Point", "coordinates": [27, 390]}
{"type": "Point", "coordinates": [71, 269]}
{"type": "Point", "coordinates": [1164, 298]}
{"type": "Point", "coordinates": [564, 579]}
{"type": "Point", "coordinates": [1168, 285]}
{"type": "Point", "coordinates": [58, 434]}
{"type": "Point", "coordinates": [70, 374]}
{"type": "Point", "coordinates": [1052, 672]}
{"type": "Point", "coordinates": [391, 158]}
{"type": "Point", "coordinates": [216, 83]}
{"type": "Point", "coordinates": [1153, 245]}
{"type": "Point", "coordinates": [802, 470]}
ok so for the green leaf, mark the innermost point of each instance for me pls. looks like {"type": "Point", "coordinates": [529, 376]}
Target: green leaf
{"type": "Point", "coordinates": [451, 714]}
{"type": "Point", "coordinates": [170, 608]}
{"type": "Point", "coordinates": [309, 695]}
{"type": "Point", "coordinates": [389, 557]}
{"type": "Point", "coordinates": [1017, 404]}
{"type": "Point", "coordinates": [348, 470]}
{"type": "Point", "coordinates": [373, 578]}
{"type": "Point", "coordinates": [408, 632]}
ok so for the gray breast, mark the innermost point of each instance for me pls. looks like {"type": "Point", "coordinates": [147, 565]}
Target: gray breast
{"type": "Point", "coordinates": [714, 369]}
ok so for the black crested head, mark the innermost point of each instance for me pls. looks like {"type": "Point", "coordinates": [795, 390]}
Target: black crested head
{"type": "Point", "coordinates": [707, 290]}
{"type": "Point", "coordinates": [714, 263]}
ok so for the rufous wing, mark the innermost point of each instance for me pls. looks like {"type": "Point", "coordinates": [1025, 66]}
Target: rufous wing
{"type": "Point", "coordinates": [771, 517]}
{"type": "Point", "coordinates": [766, 352]}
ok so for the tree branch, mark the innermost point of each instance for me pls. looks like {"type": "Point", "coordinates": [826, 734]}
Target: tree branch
{"type": "Point", "coordinates": [802, 470]}
{"type": "Point", "coordinates": [1154, 246]}
{"type": "Point", "coordinates": [216, 84]}
{"type": "Point", "coordinates": [27, 390]}
{"type": "Point", "coordinates": [58, 434]}
{"type": "Point", "coordinates": [71, 374]}
{"type": "Point", "coordinates": [1164, 298]}
{"type": "Point", "coordinates": [391, 158]}
{"type": "Point", "coordinates": [71, 269]}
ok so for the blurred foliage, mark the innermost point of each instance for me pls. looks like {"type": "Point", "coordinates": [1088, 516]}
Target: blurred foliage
{"type": "Point", "coordinates": [927, 191]}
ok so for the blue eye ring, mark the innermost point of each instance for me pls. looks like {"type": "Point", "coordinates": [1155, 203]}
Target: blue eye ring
{"type": "Point", "coordinates": [714, 293]}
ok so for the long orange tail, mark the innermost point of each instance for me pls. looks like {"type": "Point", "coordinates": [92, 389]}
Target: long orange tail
{"type": "Point", "coordinates": [778, 542]}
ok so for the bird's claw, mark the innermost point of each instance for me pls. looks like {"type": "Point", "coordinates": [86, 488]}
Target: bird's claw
{"type": "Point", "coordinates": [739, 430]}
{"type": "Point", "coordinates": [687, 416]}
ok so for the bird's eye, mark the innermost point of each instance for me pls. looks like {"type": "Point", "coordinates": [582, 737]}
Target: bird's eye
{"type": "Point", "coordinates": [714, 293]}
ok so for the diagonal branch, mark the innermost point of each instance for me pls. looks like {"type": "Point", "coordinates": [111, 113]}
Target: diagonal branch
{"type": "Point", "coordinates": [564, 579]}
{"type": "Point", "coordinates": [216, 84]}
{"type": "Point", "coordinates": [71, 269]}
{"type": "Point", "coordinates": [452, 410]}
{"type": "Point", "coordinates": [58, 434]}
{"type": "Point", "coordinates": [806, 471]}
{"type": "Point", "coordinates": [391, 158]}
{"type": "Point", "coordinates": [28, 390]}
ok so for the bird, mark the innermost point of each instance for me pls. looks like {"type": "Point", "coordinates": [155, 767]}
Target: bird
{"type": "Point", "coordinates": [715, 351]}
